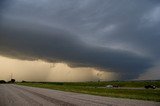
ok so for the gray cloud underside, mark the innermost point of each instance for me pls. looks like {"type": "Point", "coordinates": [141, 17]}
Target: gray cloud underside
{"type": "Point", "coordinates": [55, 45]}
{"type": "Point", "coordinates": [121, 36]}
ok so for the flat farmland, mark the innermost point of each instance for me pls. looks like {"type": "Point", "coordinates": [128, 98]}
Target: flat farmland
{"type": "Point", "coordinates": [126, 89]}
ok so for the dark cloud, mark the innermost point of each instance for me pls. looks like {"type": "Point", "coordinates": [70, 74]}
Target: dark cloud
{"type": "Point", "coordinates": [120, 36]}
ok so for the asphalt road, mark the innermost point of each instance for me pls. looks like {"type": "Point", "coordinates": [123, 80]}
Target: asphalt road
{"type": "Point", "coordinates": [15, 95]}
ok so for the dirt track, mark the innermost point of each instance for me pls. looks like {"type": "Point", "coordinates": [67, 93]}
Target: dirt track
{"type": "Point", "coordinates": [15, 95]}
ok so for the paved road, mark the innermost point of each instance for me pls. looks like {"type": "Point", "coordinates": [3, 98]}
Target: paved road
{"type": "Point", "coordinates": [15, 95]}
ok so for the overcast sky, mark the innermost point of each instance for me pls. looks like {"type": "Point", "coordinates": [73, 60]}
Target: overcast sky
{"type": "Point", "coordinates": [115, 36]}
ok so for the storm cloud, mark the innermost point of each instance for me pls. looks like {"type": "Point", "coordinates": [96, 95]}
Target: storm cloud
{"type": "Point", "coordinates": [117, 36]}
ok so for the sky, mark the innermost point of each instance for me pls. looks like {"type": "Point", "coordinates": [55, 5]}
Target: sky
{"type": "Point", "coordinates": [80, 40]}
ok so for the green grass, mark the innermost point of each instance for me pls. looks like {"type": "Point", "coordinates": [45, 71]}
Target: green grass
{"type": "Point", "coordinates": [103, 84]}
{"type": "Point", "coordinates": [93, 88]}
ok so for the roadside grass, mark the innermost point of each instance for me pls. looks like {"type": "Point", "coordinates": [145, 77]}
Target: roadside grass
{"type": "Point", "coordinates": [93, 88]}
{"type": "Point", "coordinates": [134, 84]}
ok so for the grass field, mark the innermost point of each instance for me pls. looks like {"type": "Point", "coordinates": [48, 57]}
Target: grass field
{"type": "Point", "coordinates": [96, 88]}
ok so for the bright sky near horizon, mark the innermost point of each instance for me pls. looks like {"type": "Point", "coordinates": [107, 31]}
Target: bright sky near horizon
{"type": "Point", "coordinates": [43, 71]}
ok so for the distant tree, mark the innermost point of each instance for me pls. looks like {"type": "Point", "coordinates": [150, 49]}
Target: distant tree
{"type": "Point", "coordinates": [2, 81]}
{"type": "Point", "coordinates": [13, 80]}
{"type": "Point", "coordinates": [24, 81]}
